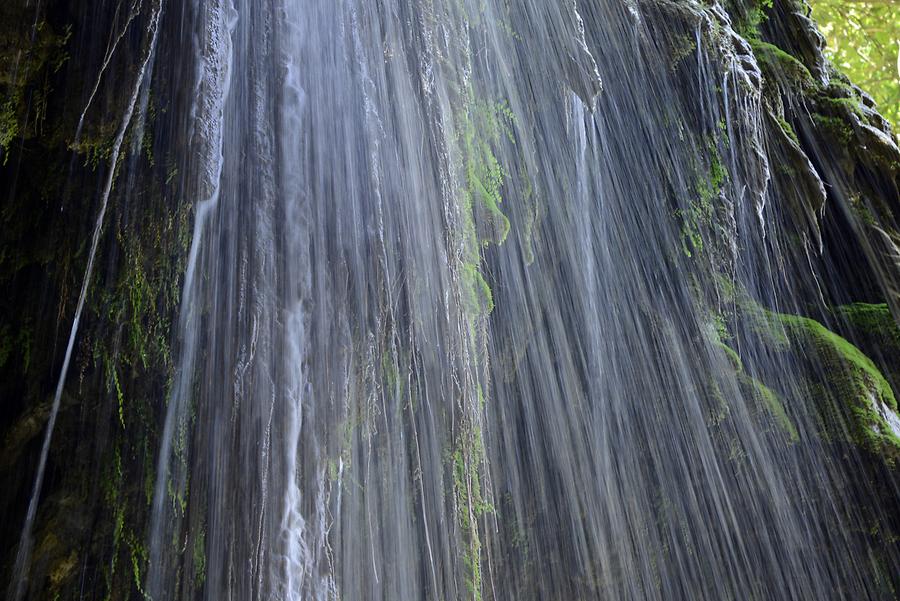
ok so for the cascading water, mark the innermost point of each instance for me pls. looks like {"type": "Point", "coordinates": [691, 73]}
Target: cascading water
{"type": "Point", "coordinates": [18, 582]}
{"type": "Point", "coordinates": [492, 300]}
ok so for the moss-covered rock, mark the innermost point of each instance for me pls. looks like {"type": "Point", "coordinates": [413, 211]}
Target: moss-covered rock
{"type": "Point", "coordinates": [852, 398]}
{"type": "Point", "coordinates": [766, 405]}
{"type": "Point", "coordinates": [874, 330]}
{"type": "Point", "coordinates": [762, 398]}
{"type": "Point", "coordinates": [781, 68]}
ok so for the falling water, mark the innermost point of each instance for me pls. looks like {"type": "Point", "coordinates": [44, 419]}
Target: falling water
{"type": "Point", "coordinates": [18, 582]}
{"type": "Point", "coordinates": [492, 300]}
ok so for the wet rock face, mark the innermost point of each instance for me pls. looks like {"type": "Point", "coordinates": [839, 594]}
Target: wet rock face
{"type": "Point", "coordinates": [51, 176]}
{"type": "Point", "coordinates": [792, 148]}
{"type": "Point", "coordinates": [849, 147]}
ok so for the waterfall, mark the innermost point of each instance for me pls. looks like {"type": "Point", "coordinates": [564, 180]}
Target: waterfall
{"type": "Point", "coordinates": [525, 300]}
{"type": "Point", "coordinates": [19, 579]}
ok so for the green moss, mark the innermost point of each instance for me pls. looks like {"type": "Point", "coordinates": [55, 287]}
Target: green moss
{"type": "Point", "coordinates": [873, 320]}
{"type": "Point", "coordinates": [733, 358]}
{"type": "Point", "coordinates": [681, 47]}
{"type": "Point", "coordinates": [470, 505]}
{"type": "Point", "coordinates": [482, 127]}
{"type": "Point", "coordinates": [760, 394]}
{"type": "Point", "coordinates": [139, 560]}
{"type": "Point", "coordinates": [847, 382]}
{"type": "Point", "coordinates": [532, 217]}
{"type": "Point", "coordinates": [9, 126]}
{"type": "Point", "coordinates": [750, 16]}
{"type": "Point", "coordinates": [478, 298]}
{"type": "Point", "coordinates": [863, 369]}
{"type": "Point", "coordinates": [788, 129]}
{"type": "Point", "coordinates": [835, 110]}
{"type": "Point", "coordinates": [779, 66]}
{"type": "Point", "coordinates": [122, 364]}
{"type": "Point", "coordinates": [38, 57]}
{"type": "Point", "coordinates": [841, 105]}
{"type": "Point", "coordinates": [842, 383]}
{"type": "Point", "coordinates": [697, 217]}
{"type": "Point", "coordinates": [718, 175]}
{"type": "Point", "coordinates": [199, 557]}
{"type": "Point", "coordinates": [96, 149]}
{"type": "Point", "coordinates": [111, 486]}
{"type": "Point", "coordinates": [862, 211]}
{"type": "Point", "coordinates": [837, 128]}
{"type": "Point", "coordinates": [873, 329]}
{"type": "Point", "coordinates": [390, 372]}
{"type": "Point", "coordinates": [120, 397]}
{"type": "Point", "coordinates": [772, 402]}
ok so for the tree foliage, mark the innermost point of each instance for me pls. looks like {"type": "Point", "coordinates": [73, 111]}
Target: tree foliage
{"type": "Point", "coordinates": [864, 42]}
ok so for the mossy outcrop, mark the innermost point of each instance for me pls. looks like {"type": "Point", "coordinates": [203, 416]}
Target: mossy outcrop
{"type": "Point", "coordinates": [831, 137]}
{"type": "Point", "coordinates": [766, 402]}
{"type": "Point", "coordinates": [810, 369]}
{"type": "Point", "coordinates": [873, 329]}
{"type": "Point", "coordinates": [854, 400]}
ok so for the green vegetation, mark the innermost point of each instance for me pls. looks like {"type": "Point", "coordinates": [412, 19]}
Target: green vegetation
{"type": "Point", "coordinates": [874, 330]}
{"type": "Point", "coordinates": [470, 504]}
{"type": "Point", "coordinates": [757, 15]}
{"type": "Point", "coordinates": [788, 129]}
{"type": "Point", "coordinates": [840, 381]}
{"type": "Point", "coordinates": [697, 217]}
{"type": "Point", "coordinates": [199, 558]}
{"type": "Point", "coordinates": [777, 63]}
{"type": "Point", "coordinates": [850, 392]}
{"type": "Point", "coordinates": [482, 127]}
{"type": "Point", "coordinates": [759, 394]}
{"type": "Point", "coordinates": [836, 127]}
{"type": "Point", "coordinates": [826, 341]}
{"type": "Point", "coordinates": [27, 75]}
{"type": "Point", "coordinates": [873, 320]}
{"type": "Point", "coordinates": [476, 294]}
{"type": "Point", "coordinates": [841, 99]}
{"type": "Point", "coordinates": [863, 41]}
{"type": "Point", "coordinates": [681, 47]}
{"type": "Point", "coordinates": [761, 397]}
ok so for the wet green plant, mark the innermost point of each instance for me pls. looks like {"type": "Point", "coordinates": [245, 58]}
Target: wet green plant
{"type": "Point", "coordinates": [698, 216]}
